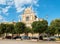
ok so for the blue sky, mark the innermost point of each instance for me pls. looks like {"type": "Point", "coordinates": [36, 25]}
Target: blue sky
{"type": "Point", "coordinates": [11, 10]}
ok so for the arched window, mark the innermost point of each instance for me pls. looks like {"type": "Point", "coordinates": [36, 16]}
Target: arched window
{"type": "Point", "coordinates": [27, 18]}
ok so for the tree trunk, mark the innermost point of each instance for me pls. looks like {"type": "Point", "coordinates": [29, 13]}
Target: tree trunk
{"type": "Point", "coordinates": [19, 35]}
{"type": "Point", "coordinates": [32, 34]}
{"type": "Point", "coordinates": [26, 34]}
{"type": "Point", "coordinates": [0, 35]}
{"type": "Point", "coordinates": [12, 35]}
{"type": "Point", "coordinates": [38, 37]}
{"type": "Point", "coordinates": [58, 34]}
{"type": "Point", "coordinates": [6, 34]}
{"type": "Point", "coordinates": [3, 36]}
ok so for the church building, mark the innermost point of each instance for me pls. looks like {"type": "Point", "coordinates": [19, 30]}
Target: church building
{"type": "Point", "coordinates": [28, 17]}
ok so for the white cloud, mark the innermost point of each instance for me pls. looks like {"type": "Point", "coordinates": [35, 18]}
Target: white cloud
{"type": "Point", "coordinates": [20, 3]}
{"type": "Point", "coordinates": [0, 11]}
{"type": "Point", "coordinates": [20, 9]}
{"type": "Point", "coordinates": [6, 2]}
{"type": "Point", "coordinates": [4, 10]}
{"type": "Point", "coordinates": [10, 2]}
{"type": "Point", "coordinates": [2, 19]}
{"type": "Point", "coordinates": [2, 1]}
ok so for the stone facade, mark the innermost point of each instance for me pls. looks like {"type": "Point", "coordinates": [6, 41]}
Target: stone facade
{"type": "Point", "coordinates": [29, 16]}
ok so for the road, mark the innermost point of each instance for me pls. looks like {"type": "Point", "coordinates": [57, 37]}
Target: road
{"type": "Point", "coordinates": [27, 42]}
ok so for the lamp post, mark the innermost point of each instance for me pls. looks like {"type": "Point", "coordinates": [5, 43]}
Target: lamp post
{"type": "Point", "coordinates": [13, 21]}
{"type": "Point", "coordinates": [47, 20]}
{"type": "Point", "coordinates": [46, 16]}
{"type": "Point", "coordinates": [19, 18]}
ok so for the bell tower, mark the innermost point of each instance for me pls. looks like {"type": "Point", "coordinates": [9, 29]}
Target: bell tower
{"type": "Point", "coordinates": [28, 16]}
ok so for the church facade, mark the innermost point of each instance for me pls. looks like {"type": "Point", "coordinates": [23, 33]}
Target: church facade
{"type": "Point", "coordinates": [28, 17]}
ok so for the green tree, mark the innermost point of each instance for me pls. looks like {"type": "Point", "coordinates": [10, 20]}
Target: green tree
{"type": "Point", "coordinates": [40, 26]}
{"type": "Point", "coordinates": [19, 27]}
{"type": "Point", "coordinates": [55, 24]}
{"type": "Point", "coordinates": [27, 30]}
{"type": "Point", "coordinates": [2, 29]}
{"type": "Point", "coordinates": [50, 31]}
{"type": "Point", "coordinates": [10, 29]}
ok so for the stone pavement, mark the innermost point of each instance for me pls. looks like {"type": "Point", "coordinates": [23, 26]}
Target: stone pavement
{"type": "Point", "coordinates": [27, 42]}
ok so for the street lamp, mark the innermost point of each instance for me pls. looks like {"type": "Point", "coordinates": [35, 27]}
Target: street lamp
{"type": "Point", "coordinates": [46, 16]}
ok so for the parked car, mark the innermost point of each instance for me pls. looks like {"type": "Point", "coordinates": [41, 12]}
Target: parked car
{"type": "Point", "coordinates": [52, 38]}
{"type": "Point", "coordinates": [46, 39]}
{"type": "Point", "coordinates": [17, 37]}
{"type": "Point", "coordinates": [34, 37]}
{"type": "Point", "coordinates": [25, 37]}
{"type": "Point", "coordinates": [57, 38]}
{"type": "Point", "coordinates": [8, 37]}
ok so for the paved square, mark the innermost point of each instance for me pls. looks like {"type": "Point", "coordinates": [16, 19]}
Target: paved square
{"type": "Point", "coordinates": [27, 42]}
